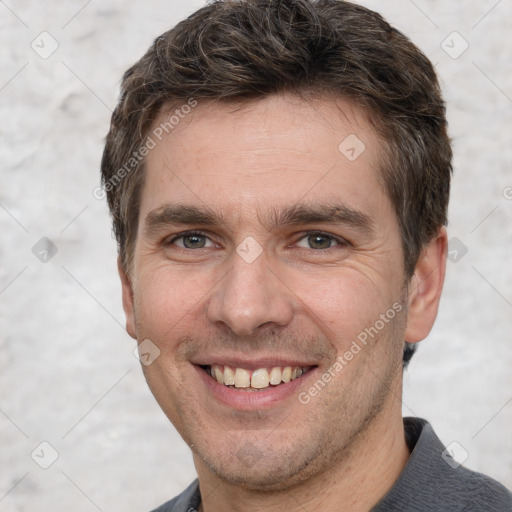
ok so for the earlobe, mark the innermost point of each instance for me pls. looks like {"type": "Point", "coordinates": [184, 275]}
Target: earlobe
{"type": "Point", "coordinates": [127, 292]}
{"type": "Point", "coordinates": [425, 288]}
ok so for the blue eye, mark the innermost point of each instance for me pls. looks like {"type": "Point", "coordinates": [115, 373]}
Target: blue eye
{"type": "Point", "coordinates": [192, 241]}
{"type": "Point", "coordinates": [318, 241]}
{"type": "Point", "coordinates": [196, 240]}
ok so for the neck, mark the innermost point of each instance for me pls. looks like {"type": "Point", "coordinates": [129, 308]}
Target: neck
{"type": "Point", "coordinates": [356, 483]}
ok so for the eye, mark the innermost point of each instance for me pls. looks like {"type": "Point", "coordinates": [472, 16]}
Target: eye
{"type": "Point", "coordinates": [318, 241]}
{"type": "Point", "coordinates": [191, 240]}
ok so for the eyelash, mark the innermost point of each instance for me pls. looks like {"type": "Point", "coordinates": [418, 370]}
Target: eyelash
{"type": "Point", "coordinates": [185, 234]}
{"type": "Point", "coordinates": [339, 241]}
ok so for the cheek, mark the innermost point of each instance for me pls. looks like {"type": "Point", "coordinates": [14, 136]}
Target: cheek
{"type": "Point", "coordinates": [343, 302]}
{"type": "Point", "coordinates": [167, 300]}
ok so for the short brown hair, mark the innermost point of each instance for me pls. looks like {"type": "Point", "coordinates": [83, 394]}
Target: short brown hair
{"type": "Point", "coordinates": [247, 49]}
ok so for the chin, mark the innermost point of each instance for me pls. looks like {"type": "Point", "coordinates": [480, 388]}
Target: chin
{"type": "Point", "coordinates": [268, 471]}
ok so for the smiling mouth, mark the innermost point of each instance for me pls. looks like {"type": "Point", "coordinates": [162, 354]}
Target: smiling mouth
{"type": "Point", "coordinates": [255, 380]}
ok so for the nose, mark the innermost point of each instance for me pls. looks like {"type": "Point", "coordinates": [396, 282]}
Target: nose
{"type": "Point", "coordinates": [250, 296]}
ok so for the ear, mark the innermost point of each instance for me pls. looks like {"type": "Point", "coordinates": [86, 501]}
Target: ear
{"type": "Point", "coordinates": [127, 291]}
{"type": "Point", "coordinates": [425, 288]}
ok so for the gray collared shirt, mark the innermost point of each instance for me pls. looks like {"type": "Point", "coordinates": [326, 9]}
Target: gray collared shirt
{"type": "Point", "coordinates": [430, 481]}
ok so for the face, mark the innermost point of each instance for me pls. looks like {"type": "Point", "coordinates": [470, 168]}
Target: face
{"type": "Point", "coordinates": [262, 245]}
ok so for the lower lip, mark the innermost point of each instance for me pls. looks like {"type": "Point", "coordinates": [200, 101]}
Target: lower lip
{"type": "Point", "coordinates": [250, 400]}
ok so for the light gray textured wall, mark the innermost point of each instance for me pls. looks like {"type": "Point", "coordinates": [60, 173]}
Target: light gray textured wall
{"type": "Point", "coordinates": [69, 377]}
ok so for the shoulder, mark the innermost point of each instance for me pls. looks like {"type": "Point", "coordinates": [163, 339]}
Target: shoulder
{"type": "Point", "coordinates": [187, 501]}
{"type": "Point", "coordinates": [476, 492]}
{"type": "Point", "coordinates": [433, 480]}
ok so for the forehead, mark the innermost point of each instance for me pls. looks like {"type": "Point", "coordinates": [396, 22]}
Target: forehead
{"type": "Point", "coordinates": [264, 154]}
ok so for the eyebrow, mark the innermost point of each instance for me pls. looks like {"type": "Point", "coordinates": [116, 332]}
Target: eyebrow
{"type": "Point", "coordinates": [321, 213]}
{"type": "Point", "coordinates": [168, 214]}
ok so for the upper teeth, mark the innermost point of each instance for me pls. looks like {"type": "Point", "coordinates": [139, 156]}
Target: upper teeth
{"type": "Point", "coordinates": [260, 378]}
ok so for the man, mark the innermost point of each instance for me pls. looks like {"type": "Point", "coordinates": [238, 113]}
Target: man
{"type": "Point", "coordinates": [278, 174]}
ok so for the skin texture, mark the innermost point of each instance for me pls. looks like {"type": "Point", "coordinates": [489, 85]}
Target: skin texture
{"type": "Point", "coordinates": [345, 448]}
